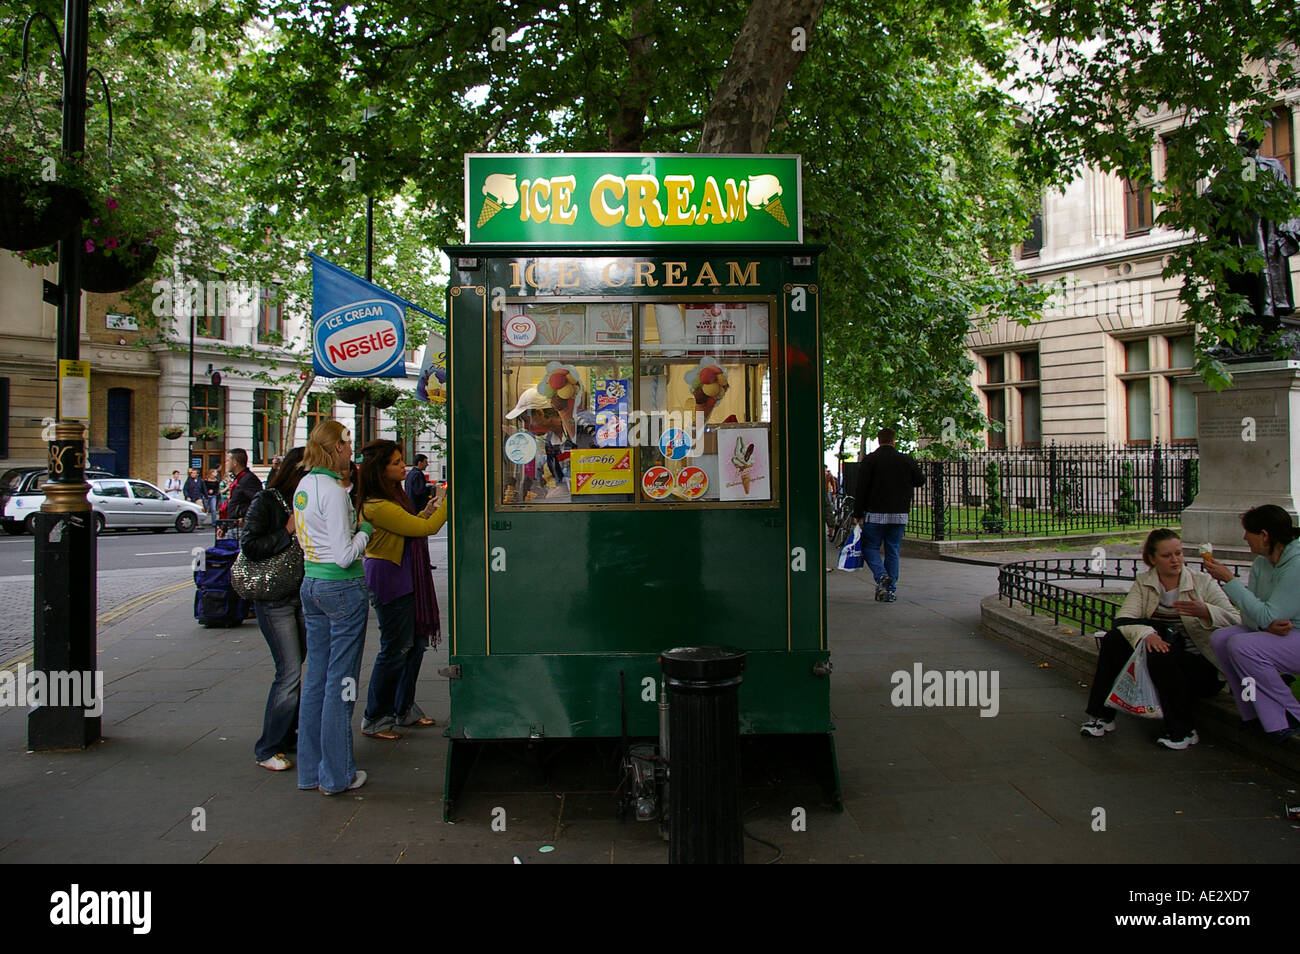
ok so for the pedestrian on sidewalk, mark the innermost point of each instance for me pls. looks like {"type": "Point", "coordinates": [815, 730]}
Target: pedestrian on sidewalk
{"type": "Point", "coordinates": [1267, 643]}
{"type": "Point", "coordinates": [269, 532]}
{"type": "Point", "coordinates": [244, 486]}
{"type": "Point", "coordinates": [173, 487]}
{"type": "Point", "coordinates": [334, 610]}
{"type": "Point", "coordinates": [881, 502]}
{"type": "Point", "coordinates": [194, 490]}
{"type": "Point", "coordinates": [212, 492]}
{"type": "Point", "coordinates": [1173, 608]}
{"type": "Point", "coordinates": [400, 580]}
{"type": "Point", "coordinates": [417, 483]}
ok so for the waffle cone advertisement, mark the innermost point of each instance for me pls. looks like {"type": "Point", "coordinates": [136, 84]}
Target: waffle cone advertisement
{"type": "Point", "coordinates": [744, 462]}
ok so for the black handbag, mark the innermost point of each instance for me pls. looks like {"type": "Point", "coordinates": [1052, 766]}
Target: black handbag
{"type": "Point", "coordinates": [275, 578]}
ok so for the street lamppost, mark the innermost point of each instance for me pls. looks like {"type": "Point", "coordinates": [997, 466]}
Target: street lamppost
{"type": "Point", "coordinates": [64, 590]}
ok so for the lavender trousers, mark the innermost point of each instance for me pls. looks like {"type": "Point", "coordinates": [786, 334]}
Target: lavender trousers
{"type": "Point", "coordinates": [1245, 653]}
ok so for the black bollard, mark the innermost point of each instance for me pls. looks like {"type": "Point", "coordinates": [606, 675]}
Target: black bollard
{"type": "Point", "coordinates": [704, 767]}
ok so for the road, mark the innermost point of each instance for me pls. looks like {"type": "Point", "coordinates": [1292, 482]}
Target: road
{"type": "Point", "coordinates": [142, 549]}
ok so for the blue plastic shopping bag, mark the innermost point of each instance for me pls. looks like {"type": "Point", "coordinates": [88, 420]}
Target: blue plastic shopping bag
{"type": "Point", "coordinates": [851, 553]}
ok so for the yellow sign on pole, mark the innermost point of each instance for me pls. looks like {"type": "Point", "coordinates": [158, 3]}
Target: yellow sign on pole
{"type": "Point", "coordinates": [74, 390]}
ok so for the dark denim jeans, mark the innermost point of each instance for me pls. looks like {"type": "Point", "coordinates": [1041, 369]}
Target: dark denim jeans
{"type": "Point", "coordinates": [286, 635]}
{"type": "Point", "coordinates": [397, 667]}
{"type": "Point", "coordinates": [891, 535]}
{"type": "Point", "coordinates": [335, 612]}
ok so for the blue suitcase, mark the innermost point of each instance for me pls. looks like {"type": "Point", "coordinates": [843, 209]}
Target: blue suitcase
{"type": "Point", "coordinates": [215, 603]}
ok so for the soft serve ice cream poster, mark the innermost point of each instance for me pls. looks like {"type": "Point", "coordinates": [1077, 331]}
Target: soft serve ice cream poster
{"type": "Point", "coordinates": [744, 463]}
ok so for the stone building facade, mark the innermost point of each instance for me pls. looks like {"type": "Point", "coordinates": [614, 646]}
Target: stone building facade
{"type": "Point", "coordinates": [138, 390]}
{"type": "Point", "coordinates": [1111, 359]}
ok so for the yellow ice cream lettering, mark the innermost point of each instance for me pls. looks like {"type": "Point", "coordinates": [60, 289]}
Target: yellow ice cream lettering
{"type": "Point", "coordinates": [600, 210]}
{"type": "Point", "coordinates": [680, 211]}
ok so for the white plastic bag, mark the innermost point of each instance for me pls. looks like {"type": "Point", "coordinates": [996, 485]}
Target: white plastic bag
{"type": "Point", "coordinates": [1134, 692]}
{"type": "Point", "coordinates": [851, 552]}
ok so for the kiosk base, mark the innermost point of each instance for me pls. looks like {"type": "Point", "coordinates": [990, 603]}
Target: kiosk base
{"type": "Point", "coordinates": [768, 762]}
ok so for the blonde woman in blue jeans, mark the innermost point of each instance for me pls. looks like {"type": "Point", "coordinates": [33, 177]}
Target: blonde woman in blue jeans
{"type": "Point", "coordinates": [334, 609]}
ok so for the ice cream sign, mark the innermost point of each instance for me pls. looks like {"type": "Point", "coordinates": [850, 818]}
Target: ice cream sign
{"type": "Point", "coordinates": [622, 198]}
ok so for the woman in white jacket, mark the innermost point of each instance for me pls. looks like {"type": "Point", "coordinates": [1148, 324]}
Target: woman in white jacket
{"type": "Point", "coordinates": [334, 608]}
{"type": "Point", "coordinates": [1178, 609]}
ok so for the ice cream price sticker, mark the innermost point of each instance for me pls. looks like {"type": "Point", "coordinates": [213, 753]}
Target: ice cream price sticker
{"type": "Point", "coordinates": [601, 471]}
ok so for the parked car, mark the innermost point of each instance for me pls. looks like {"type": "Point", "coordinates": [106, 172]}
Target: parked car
{"type": "Point", "coordinates": [21, 497]}
{"type": "Point", "coordinates": [122, 503]}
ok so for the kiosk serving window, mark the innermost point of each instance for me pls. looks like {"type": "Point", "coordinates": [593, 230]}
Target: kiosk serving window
{"type": "Point", "coordinates": [637, 404]}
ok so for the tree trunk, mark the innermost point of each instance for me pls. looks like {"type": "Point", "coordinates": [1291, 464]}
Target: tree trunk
{"type": "Point", "coordinates": [297, 405]}
{"type": "Point", "coordinates": [750, 93]}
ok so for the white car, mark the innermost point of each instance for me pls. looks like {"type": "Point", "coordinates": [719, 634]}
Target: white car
{"type": "Point", "coordinates": [21, 497]}
{"type": "Point", "coordinates": [122, 503]}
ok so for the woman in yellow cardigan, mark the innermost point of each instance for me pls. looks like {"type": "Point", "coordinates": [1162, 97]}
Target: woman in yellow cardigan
{"type": "Point", "coordinates": [400, 580]}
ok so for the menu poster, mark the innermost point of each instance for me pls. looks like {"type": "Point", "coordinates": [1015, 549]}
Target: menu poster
{"type": "Point", "coordinates": [611, 399]}
{"type": "Point", "coordinates": [744, 462]}
{"type": "Point", "coordinates": [601, 471]}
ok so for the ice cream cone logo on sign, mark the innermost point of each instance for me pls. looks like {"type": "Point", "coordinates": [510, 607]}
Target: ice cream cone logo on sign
{"type": "Point", "coordinates": [764, 192]}
{"type": "Point", "coordinates": [500, 191]}
{"type": "Point", "coordinates": [742, 459]}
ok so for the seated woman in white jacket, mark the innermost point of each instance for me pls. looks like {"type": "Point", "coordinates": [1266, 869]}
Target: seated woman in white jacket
{"type": "Point", "coordinates": [1183, 608]}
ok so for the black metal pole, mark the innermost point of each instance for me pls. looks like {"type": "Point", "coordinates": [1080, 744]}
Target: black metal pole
{"type": "Point", "coordinates": [64, 584]}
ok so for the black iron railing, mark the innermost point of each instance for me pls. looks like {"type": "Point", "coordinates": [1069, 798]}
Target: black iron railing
{"type": "Point", "coordinates": [1035, 584]}
{"type": "Point", "coordinates": [1053, 491]}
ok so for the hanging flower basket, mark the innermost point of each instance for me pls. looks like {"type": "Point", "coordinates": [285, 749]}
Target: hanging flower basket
{"type": "Point", "coordinates": [208, 433]}
{"type": "Point", "coordinates": [173, 432]}
{"type": "Point", "coordinates": [353, 392]}
{"type": "Point", "coordinates": [380, 394]}
{"type": "Point", "coordinates": [37, 214]}
{"type": "Point", "coordinates": [107, 269]}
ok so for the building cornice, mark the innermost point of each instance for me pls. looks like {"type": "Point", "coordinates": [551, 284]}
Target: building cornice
{"type": "Point", "coordinates": [1130, 249]}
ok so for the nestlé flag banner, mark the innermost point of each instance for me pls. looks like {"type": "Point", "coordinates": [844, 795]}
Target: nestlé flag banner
{"type": "Point", "coordinates": [358, 328]}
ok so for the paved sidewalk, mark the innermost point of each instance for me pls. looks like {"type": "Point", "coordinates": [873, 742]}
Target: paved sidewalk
{"type": "Point", "coordinates": [113, 588]}
{"type": "Point", "coordinates": [184, 706]}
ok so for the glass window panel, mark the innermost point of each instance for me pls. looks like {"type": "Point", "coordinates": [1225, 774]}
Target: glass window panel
{"type": "Point", "coordinates": [1031, 415]}
{"type": "Point", "coordinates": [1184, 406]}
{"type": "Point", "coordinates": [1181, 352]}
{"type": "Point", "coordinates": [997, 415]}
{"type": "Point", "coordinates": [706, 372]}
{"type": "Point", "coordinates": [144, 492]}
{"type": "Point", "coordinates": [993, 368]}
{"type": "Point", "coordinates": [564, 368]}
{"type": "Point", "coordinates": [1139, 409]}
{"type": "Point", "coordinates": [1137, 355]}
{"type": "Point", "coordinates": [1028, 365]}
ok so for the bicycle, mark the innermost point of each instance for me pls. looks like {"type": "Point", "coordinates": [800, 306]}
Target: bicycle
{"type": "Point", "coordinates": [841, 524]}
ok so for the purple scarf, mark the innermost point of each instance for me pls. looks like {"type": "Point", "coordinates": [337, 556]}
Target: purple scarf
{"type": "Point", "coordinates": [428, 621]}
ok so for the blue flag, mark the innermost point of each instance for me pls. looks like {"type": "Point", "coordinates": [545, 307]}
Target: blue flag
{"type": "Point", "coordinates": [358, 328]}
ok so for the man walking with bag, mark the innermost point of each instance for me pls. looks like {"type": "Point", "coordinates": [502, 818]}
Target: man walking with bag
{"type": "Point", "coordinates": [882, 500]}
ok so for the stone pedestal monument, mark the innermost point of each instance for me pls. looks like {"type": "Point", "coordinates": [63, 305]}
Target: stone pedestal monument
{"type": "Point", "coordinates": [1246, 436]}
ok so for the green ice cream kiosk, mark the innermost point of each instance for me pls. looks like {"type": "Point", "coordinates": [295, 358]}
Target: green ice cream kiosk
{"type": "Point", "coordinates": [634, 365]}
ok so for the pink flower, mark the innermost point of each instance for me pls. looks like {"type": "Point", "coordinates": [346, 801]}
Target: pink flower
{"type": "Point", "coordinates": [112, 204]}
{"type": "Point", "coordinates": [112, 243]}
{"type": "Point", "coordinates": [94, 221]}
{"type": "Point", "coordinates": [90, 246]}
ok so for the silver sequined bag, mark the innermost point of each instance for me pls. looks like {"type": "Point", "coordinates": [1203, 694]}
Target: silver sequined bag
{"type": "Point", "coordinates": [275, 578]}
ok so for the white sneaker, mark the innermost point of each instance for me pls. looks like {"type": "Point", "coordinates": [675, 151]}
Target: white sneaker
{"type": "Point", "coordinates": [1097, 728]}
{"type": "Point", "coordinates": [357, 781]}
{"type": "Point", "coordinates": [1179, 744]}
{"type": "Point", "coordinates": [276, 763]}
